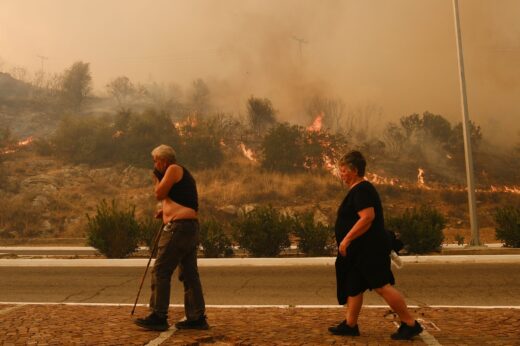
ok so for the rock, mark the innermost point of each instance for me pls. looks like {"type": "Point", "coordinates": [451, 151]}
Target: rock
{"type": "Point", "coordinates": [40, 201]}
{"type": "Point", "coordinates": [229, 209]}
{"type": "Point", "coordinates": [43, 184]}
{"type": "Point", "coordinates": [135, 177]}
{"type": "Point", "coordinates": [247, 208]}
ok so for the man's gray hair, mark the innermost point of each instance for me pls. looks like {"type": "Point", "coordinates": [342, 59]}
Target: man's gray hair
{"type": "Point", "coordinates": [164, 151]}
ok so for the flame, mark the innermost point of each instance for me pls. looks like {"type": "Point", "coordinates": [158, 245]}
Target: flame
{"type": "Point", "coordinates": [380, 180]}
{"type": "Point", "coordinates": [184, 125]}
{"type": "Point", "coordinates": [20, 144]}
{"type": "Point", "coordinates": [248, 152]}
{"type": "Point", "coordinates": [117, 134]}
{"type": "Point", "coordinates": [420, 177]}
{"type": "Point", "coordinates": [316, 124]}
{"type": "Point", "coordinates": [331, 166]}
{"type": "Point", "coordinates": [506, 189]}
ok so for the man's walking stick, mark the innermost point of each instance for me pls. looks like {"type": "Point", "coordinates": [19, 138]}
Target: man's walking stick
{"type": "Point", "coordinates": [156, 242]}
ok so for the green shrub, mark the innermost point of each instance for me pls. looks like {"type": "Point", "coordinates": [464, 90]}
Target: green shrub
{"type": "Point", "coordinates": [114, 232]}
{"type": "Point", "coordinates": [508, 226]}
{"type": "Point", "coordinates": [148, 228]}
{"type": "Point", "coordinates": [316, 239]}
{"type": "Point", "coordinates": [420, 229]}
{"type": "Point", "coordinates": [214, 241]}
{"type": "Point", "coordinates": [201, 151]}
{"type": "Point", "coordinates": [84, 140]}
{"type": "Point", "coordinates": [263, 232]}
{"type": "Point", "coordinates": [282, 149]}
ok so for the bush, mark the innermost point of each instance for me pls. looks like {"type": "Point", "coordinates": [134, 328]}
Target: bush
{"type": "Point", "coordinates": [263, 232]}
{"type": "Point", "coordinates": [282, 149]}
{"type": "Point", "coordinates": [508, 226]}
{"type": "Point", "coordinates": [84, 140]}
{"type": "Point", "coordinates": [112, 231]}
{"type": "Point", "coordinates": [420, 229]}
{"type": "Point", "coordinates": [214, 241]}
{"type": "Point", "coordinates": [148, 228]}
{"type": "Point", "coordinates": [201, 151]}
{"type": "Point", "coordinates": [316, 239]}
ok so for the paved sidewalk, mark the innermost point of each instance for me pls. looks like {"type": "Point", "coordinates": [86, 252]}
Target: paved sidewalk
{"type": "Point", "coordinates": [112, 325]}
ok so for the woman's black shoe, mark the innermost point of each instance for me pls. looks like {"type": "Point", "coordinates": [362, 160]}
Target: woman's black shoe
{"type": "Point", "coordinates": [405, 332]}
{"type": "Point", "coordinates": [344, 329]}
{"type": "Point", "coordinates": [152, 322]}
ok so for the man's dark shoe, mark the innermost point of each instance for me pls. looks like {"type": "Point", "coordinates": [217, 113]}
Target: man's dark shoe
{"type": "Point", "coordinates": [405, 332]}
{"type": "Point", "coordinates": [201, 323]}
{"type": "Point", "coordinates": [152, 322]}
{"type": "Point", "coordinates": [344, 329]}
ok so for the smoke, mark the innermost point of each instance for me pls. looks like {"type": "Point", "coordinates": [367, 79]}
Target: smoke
{"type": "Point", "coordinates": [397, 56]}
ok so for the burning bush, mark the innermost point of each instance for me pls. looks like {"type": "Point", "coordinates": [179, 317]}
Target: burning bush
{"type": "Point", "coordinates": [114, 232]}
{"type": "Point", "coordinates": [508, 226]}
{"type": "Point", "coordinates": [420, 229]}
{"type": "Point", "coordinates": [292, 148]}
{"type": "Point", "coordinates": [215, 243]}
{"type": "Point", "coordinates": [263, 232]}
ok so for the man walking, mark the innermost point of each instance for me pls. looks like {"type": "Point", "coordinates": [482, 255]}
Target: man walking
{"type": "Point", "coordinates": [175, 187]}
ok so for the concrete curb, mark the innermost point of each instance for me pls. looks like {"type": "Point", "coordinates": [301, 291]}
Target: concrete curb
{"type": "Point", "coordinates": [254, 262]}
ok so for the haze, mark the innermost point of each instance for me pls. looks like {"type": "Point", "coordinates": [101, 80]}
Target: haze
{"type": "Point", "coordinates": [398, 56]}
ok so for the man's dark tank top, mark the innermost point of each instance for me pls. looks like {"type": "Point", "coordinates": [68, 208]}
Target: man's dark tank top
{"type": "Point", "coordinates": [184, 191]}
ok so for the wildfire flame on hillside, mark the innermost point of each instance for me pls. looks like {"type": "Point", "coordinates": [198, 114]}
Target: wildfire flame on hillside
{"type": "Point", "coordinates": [248, 152]}
{"type": "Point", "coordinates": [420, 179]}
{"type": "Point", "coordinates": [15, 147]}
{"type": "Point", "coordinates": [317, 123]}
{"type": "Point", "coordinates": [186, 123]}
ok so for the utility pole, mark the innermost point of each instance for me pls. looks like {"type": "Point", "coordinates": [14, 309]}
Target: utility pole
{"type": "Point", "coordinates": [475, 237]}
{"type": "Point", "coordinates": [300, 42]}
{"type": "Point", "coordinates": [42, 58]}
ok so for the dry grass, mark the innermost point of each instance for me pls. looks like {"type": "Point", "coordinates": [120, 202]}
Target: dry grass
{"type": "Point", "coordinates": [237, 183]}
{"type": "Point", "coordinates": [249, 184]}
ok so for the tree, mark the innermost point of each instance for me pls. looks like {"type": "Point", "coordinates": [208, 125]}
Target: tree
{"type": "Point", "coordinates": [76, 84]}
{"type": "Point", "coordinates": [200, 98]}
{"type": "Point", "coordinates": [282, 149]}
{"type": "Point", "coordinates": [455, 142]}
{"type": "Point", "coordinates": [436, 127]}
{"type": "Point", "coordinates": [395, 139]}
{"type": "Point", "coordinates": [333, 110]}
{"type": "Point", "coordinates": [122, 89]}
{"type": "Point", "coordinates": [411, 124]}
{"type": "Point", "coordinates": [261, 114]}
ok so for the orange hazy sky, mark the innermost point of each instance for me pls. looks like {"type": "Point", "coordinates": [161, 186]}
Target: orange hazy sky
{"type": "Point", "coordinates": [399, 55]}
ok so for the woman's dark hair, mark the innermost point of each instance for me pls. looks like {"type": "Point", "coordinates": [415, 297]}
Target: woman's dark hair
{"type": "Point", "coordinates": [354, 159]}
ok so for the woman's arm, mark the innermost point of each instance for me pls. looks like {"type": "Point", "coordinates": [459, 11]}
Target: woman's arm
{"type": "Point", "coordinates": [366, 217]}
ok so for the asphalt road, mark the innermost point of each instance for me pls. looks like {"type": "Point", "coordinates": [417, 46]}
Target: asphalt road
{"type": "Point", "coordinates": [422, 284]}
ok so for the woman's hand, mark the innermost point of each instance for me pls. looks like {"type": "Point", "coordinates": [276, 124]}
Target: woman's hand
{"type": "Point", "coordinates": [343, 247]}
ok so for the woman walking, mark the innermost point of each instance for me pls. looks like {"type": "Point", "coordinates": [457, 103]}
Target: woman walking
{"type": "Point", "coordinates": [363, 260]}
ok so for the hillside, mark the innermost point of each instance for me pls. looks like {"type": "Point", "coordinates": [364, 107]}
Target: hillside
{"type": "Point", "coordinates": [45, 198]}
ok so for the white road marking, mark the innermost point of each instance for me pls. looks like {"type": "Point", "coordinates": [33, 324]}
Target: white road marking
{"type": "Point", "coordinates": [162, 337]}
{"type": "Point", "coordinates": [244, 262]}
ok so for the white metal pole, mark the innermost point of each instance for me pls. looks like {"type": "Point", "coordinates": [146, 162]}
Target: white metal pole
{"type": "Point", "coordinates": [475, 238]}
